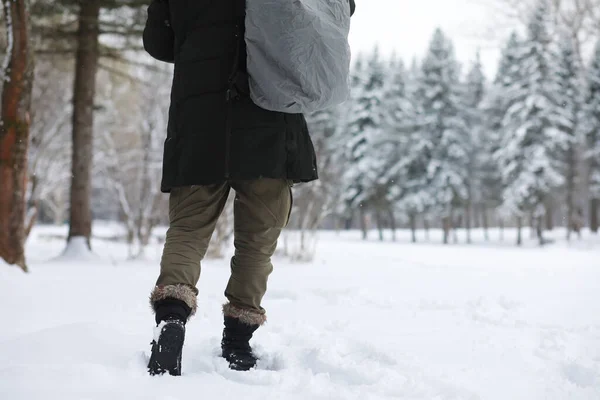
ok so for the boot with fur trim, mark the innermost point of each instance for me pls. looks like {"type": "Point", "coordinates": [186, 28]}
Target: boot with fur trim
{"type": "Point", "coordinates": [240, 325]}
{"type": "Point", "coordinates": [173, 306]}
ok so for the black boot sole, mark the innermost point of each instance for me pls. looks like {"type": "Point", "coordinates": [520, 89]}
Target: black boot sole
{"type": "Point", "coordinates": [166, 354]}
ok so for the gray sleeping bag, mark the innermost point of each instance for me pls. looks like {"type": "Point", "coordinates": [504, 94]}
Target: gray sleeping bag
{"type": "Point", "coordinates": [298, 53]}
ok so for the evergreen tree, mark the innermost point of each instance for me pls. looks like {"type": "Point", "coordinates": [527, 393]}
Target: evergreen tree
{"type": "Point", "coordinates": [397, 104]}
{"type": "Point", "coordinates": [407, 171]}
{"type": "Point", "coordinates": [474, 95]}
{"type": "Point", "coordinates": [392, 144]}
{"type": "Point", "coordinates": [569, 102]}
{"type": "Point", "coordinates": [495, 106]}
{"type": "Point", "coordinates": [592, 132]}
{"type": "Point", "coordinates": [509, 71]}
{"type": "Point", "coordinates": [529, 151]}
{"type": "Point", "coordinates": [365, 127]}
{"type": "Point", "coordinates": [443, 122]}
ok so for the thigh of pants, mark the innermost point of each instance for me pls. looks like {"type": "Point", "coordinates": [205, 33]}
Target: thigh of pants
{"type": "Point", "coordinates": [262, 208]}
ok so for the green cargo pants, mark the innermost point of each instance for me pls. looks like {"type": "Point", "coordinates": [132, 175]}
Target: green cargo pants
{"type": "Point", "coordinates": [261, 210]}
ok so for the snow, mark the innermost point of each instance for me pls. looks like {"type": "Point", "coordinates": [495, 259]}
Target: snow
{"type": "Point", "coordinates": [77, 250]}
{"type": "Point", "coordinates": [365, 320]}
{"type": "Point", "coordinates": [158, 330]}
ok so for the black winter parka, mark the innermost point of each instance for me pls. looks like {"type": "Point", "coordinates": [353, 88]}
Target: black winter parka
{"type": "Point", "coordinates": [215, 132]}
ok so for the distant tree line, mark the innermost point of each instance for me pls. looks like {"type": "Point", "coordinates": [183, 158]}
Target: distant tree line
{"type": "Point", "coordinates": [432, 145]}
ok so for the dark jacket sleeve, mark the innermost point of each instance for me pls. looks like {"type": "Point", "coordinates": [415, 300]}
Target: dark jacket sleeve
{"type": "Point", "coordinates": [159, 38]}
{"type": "Point", "coordinates": [352, 7]}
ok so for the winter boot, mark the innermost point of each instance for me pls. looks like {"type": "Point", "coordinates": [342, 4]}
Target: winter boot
{"type": "Point", "coordinates": [167, 346]}
{"type": "Point", "coordinates": [236, 344]}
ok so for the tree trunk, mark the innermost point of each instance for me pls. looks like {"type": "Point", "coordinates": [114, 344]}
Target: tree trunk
{"type": "Point", "coordinates": [413, 227]}
{"type": "Point", "coordinates": [468, 212]}
{"type": "Point", "coordinates": [33, 206]}
{"type": "Point", "coordinates": [426, 226]}
{"type": "Point", "coordinates": [379, 225]}
{"type": "Point", "coordinates": [594, 208]}
{"type": "Point", "coordinates": [446, 227]}
{"type": "Point", "coordinates": [349, 221]}
{"type": "Point", "coordinates": [302, 240]}
{"type": "Point", "coordinates": [454, 226]}
{"type": "Point", "coordinates": [14, 133]}
{"type": "Point", "coordinates": [84, 89]}
{"type": "Point", "coordinates": [477, 214]}
{"type": "Point", "coordinates": [30, 220]}
{"type": "Point", "coordinates": [571, 187]}
{"type": "Point", "coordinates": [570, 213]}
{"type": "Point", "coordinates": [363, 224]}
{"type": "Point", "coordinates": [540, 229]}
{"type": "Point", "coordinates": [501, 230]}
{"type": "Point", "coordinates": [130, 241]}
{"type": "Point", "coordinates": [392, 217]}
{"type": "Point", "coordinates": [519, 229]}
{"type": "Point", "coordinates": [484, 219]}
{"type": "Point", "coordinates": [532, 228]}
{"type": "Point", "coordinates": [549, 215]}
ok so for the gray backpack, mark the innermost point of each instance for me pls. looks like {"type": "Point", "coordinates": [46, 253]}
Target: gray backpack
{"type": "Point", "coordinates": [298, 53]}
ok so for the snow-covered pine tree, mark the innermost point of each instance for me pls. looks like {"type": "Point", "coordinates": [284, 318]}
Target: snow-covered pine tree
{"type": "Point", "coordinates": [407, 171]}
{"type": "Point", "coordinates": [393, 140]}
{"type": "Point", "coordinates": [509, 71]}
{"type": "Point", "coordinates": [496, 105]}
{"type": "Point", "coordinates": [474, 92]}
{"type": "Point", "coordinates": [529, 154]}
{"type": "Point", "coordinates": [365, 127]}
{"type": "Point", "coordinates": [569, 103]}
{"type": "Point", "coordinates": [443, 121]}
{"type": "Point", "coordinates": [345, 207]}
{"type": "Point", "coordinates": [592, 132]}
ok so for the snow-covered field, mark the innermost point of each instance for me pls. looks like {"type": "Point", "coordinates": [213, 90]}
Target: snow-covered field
{"type": "Point", "coordinates": [364, 321]}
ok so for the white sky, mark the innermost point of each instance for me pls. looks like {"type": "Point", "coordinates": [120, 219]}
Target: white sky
{"type": "Point", "coordinates": [406, 26]}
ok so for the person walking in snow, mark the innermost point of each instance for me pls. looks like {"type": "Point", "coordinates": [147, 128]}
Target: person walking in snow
{"type": "Point", "coordinates": [218, 140]}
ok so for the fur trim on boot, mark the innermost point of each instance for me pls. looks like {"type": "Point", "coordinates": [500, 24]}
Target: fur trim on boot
{"type": "Point", "coordinates": [178, 292]}
{"type": "Point", "coordinates": [248, 317]}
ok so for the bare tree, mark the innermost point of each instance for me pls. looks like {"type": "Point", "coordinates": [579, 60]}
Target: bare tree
{"type": "Point", "coordinates": [49, 170]}
{"type": "Point", "coordinates": [314, 201]}
{"type": "Point", "coordinates": [130, 156]}
{"type": "Point", "coordinates": [14, 132]}
{"type": "Point", "coordinates": [57, 202]}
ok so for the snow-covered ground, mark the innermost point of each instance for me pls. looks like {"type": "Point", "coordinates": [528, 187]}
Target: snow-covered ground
{"type": "Point", "coordinates": [366, 320]}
